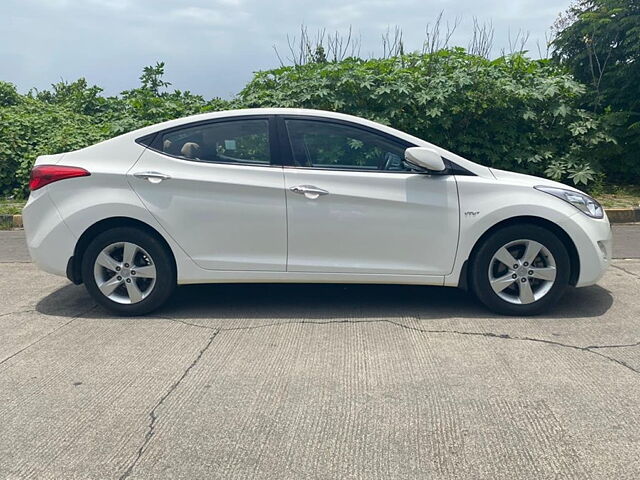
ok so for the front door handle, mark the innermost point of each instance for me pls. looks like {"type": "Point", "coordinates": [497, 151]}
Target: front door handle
{"type": "Point", "coordinates": [309, 191]}
{"type": "Point", "coordinates": [153, 177]}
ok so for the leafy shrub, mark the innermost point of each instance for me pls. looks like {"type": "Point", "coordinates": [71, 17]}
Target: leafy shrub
{"type": "Point", "coordinates": [512, 112]}
{"type": "Point", "coordinates": [35, 128]}
{"type": "Point", "coordinates": [8, 94]}
{"type": "Point", "coordinates": [74, 115]}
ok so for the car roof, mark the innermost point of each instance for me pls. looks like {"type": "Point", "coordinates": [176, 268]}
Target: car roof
{"type": "Point", "coordinates": [276, 111]}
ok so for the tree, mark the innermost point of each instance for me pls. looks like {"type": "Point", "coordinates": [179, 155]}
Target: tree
{"type": "Point", "coordinates": [599, 42]}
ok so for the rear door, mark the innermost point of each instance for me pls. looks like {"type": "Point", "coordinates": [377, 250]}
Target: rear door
{"type": "Point", "coordinates": [353, 207]}
{"type": "Point", "coordinates": [217, 190]}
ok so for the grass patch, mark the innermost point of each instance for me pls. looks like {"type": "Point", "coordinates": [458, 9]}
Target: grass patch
{"type": "Point", "coordinates": [6, 223]}
{"type": "Point", "coordinates": [11, 207]}
{"type": "Point", "coordinates": [619, 196]}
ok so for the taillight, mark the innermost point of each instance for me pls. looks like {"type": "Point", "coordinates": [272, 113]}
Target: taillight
{"type": "Point", "coordinates": [45, 174]}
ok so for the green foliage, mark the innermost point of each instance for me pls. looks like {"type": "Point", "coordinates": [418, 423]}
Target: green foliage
{"type": "Point", "coordinates": [34, 128]}
{"type": "Point", "coordinates": [77, 97]}
{"type": "Point", "coordinates": [11, 207]}
{"type": "Point", "coordinates": [8, 94]}
{"type": "Point", "coordinates": [601, 47]}
{"type": "Point", "coordinates": [511, 112]}
{"type": "Point", "coordinates": [74, 115]}
{"type": "Point", "coordinates": [599, 43]}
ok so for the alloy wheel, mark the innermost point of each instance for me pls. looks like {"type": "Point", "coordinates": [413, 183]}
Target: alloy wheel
{"type": "Point", "coordinates": [125, 273]}
{"type": "Point", "coordinates": [522, 271]}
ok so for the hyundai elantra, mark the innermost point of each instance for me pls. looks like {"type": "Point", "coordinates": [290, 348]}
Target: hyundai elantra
{"type": "Point", "coordinates": [287, 195]}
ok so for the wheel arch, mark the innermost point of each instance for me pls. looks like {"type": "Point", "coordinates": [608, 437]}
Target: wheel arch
{"type": "Point", "coordinates": [574, 259]}
{"type": "Point", "coordinates": [74, 265]}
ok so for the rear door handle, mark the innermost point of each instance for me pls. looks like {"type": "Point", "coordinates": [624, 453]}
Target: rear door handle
{"type": "Point", "coordinates": [153, 177]}
{"type": "Point", "coordinates": [309, 191]}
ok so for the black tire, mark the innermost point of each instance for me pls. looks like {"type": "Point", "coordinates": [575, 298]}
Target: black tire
{"type": "Point", "coordinates": [482, 260]}
{"type": "Point", "coordinates": [165, 271]}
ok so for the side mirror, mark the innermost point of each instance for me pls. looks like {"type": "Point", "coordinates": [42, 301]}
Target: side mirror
{"type": "Point", "coordinates": [425, 158]}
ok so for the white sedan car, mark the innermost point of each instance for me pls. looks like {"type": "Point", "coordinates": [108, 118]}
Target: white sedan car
{"type": "Point", "coordinates": [287, 195]}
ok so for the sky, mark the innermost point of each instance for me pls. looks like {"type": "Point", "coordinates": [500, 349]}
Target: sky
{"type": "Point", "coordinates": [212, 47]}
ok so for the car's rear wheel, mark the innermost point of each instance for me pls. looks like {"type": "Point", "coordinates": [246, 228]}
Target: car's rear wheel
{"type": "Point", "coordinates": [128, 271]}
{"type": "Point", "coordinates": [520, 270]}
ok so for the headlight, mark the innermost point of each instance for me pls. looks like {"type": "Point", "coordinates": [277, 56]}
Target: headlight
{"type": "Point", "coordinates": [582, 202]}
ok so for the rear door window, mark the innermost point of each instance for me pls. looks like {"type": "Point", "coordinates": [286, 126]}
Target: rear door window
{"type": "Point", "coordinates": [234, 141]}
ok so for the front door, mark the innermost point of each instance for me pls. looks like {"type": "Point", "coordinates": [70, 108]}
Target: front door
{"type": "Point", "coordinates": [353, 207]}
{"type": "Point", "coordinates": [214, 189]}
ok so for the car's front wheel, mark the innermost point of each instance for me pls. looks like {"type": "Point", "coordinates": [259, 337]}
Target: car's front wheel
{"type": "Point", "coordinates": [128, 270]}
{"type": "Point", "coordinates": [520, 270]}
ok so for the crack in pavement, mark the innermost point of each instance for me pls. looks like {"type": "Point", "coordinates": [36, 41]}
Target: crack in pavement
{"type": "Point", "coordinates": [500, 336]}
{"type": "Point", "coordinates": [177, 320]}
{"type": "Point", "coordinates": [153, 416]}
{"type": "Point", "coordinates": [633, 274]}
{"type": "Point", "coordinates": [624, 345]}
{"type": "Point", "coordinates": [17, 312]}
{"type": "Point", "coordinates": [153, 413]}
{"type": "Point", "coordinates": [74, 318]}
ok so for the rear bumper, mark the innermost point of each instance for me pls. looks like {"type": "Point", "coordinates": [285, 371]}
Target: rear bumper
{"type": "Point", "coordinates": [49, 240]}
{"type": "Point", "coordinates": [593, 241]}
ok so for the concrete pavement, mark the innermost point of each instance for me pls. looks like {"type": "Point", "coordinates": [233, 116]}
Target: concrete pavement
{"type": "Point", "coordinates": [13, 247]}
{"type": "Point", "coordinates": [626, 240]}
{"type": "Point", "coordinates": [317, 381]}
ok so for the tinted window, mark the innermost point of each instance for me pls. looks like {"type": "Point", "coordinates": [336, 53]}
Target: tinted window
{"type": "Point", "coordinates": [238, 141]}
{"type": "Point", "coordinates": [333, 145]}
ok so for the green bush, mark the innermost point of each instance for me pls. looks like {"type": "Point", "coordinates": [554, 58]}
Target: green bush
{"type": "Point", "coordinates": [34, 128]}
{"type": "Point", "coordinates": [8, 94]}
{"type": "Point", "coordinates": [74, 115]}
{"type": "Point", "coordinates": [512, 112]}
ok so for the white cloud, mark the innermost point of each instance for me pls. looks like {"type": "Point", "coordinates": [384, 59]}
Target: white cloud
{"type": "Point", "coordinates": [200, 15]}
{"type": "Point", "coordinates": [213, 46]}
{"type": "Point", "coordinates": [231, 3]}
{"type": "Point", "coordinates": [112, 4]}
{"type": "Point", "coordinates": [341, 14]}
{"type": "Point", "coordinates": [52, 3]}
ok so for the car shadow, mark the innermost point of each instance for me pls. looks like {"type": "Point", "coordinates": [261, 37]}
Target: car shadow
{"type": "Point", "coordinates": [323, 301]}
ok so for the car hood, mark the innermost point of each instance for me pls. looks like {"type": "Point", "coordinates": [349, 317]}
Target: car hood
{"type": "Point", "coordinates": [528, 180]}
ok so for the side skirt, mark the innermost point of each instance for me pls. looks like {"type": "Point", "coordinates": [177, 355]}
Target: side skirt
{"type": "Point", "coordinates": [306, 277]}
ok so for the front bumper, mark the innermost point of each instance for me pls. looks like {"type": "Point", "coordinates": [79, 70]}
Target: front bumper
{"type": "Point", "coordinates": [593, 241]}
{"type": "Point", "coordinates": [49, 239]}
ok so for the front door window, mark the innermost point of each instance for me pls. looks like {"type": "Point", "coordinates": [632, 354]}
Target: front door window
{"type": "Point", "coordinates": [318, 144]}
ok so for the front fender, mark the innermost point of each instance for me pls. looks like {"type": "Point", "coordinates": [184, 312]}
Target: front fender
{"type": "Point", "coordinates": [484, 204]}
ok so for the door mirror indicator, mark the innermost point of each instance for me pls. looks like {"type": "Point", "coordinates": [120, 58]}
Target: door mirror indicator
{"type": "Point", "coordinates": [425, 158]}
